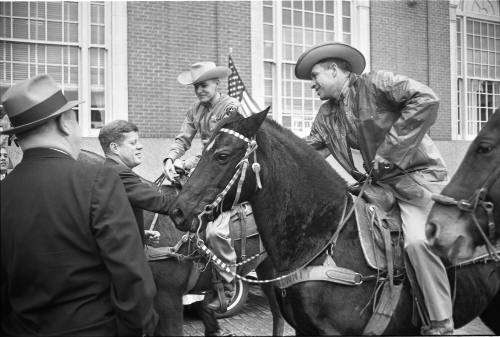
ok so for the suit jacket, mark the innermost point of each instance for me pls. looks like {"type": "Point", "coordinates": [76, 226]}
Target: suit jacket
{"type": "Point", "coordinates": [72, 258]}
{"type": "Point", "coordinates": [142, 196]}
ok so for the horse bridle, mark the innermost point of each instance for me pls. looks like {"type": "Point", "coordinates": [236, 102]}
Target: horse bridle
{"type": "Point", "coordinates": [241, 170]}
{"type": "Point", "coordinates": [478, 199]}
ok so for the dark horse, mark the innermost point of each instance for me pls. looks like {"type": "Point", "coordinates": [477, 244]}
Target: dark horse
{"type": "Point", "coordinates": [467, 213]}
{"type": "Point", "coordinates": [297, 210]}
{"type": "Point", "coordinates": [172, 275]}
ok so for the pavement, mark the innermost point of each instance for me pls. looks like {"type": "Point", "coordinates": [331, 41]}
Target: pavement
{"type": "Point", "coordinates": [255, 320]}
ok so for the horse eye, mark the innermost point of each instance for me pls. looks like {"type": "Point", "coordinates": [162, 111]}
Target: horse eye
{"type": "Point", "coordinates": [484, 148]}
{"type": "Point", "coordinates": [221, 156]}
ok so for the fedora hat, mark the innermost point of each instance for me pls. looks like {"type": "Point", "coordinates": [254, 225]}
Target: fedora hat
{"type": "Point", "coordinates": [202, 71]}
{"type": "Point", "coordinates": [343, 51]}
{"type": "Point", "coordinates": [33, 102]}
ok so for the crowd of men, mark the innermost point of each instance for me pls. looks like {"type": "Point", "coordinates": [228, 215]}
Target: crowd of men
{"type": "Point", "coordinates": [72, 233]}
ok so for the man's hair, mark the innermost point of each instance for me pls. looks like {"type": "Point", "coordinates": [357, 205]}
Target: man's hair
{"type": "Point", "coordinates": [113, 133]}
{"type": "Point", "coordinates": [342, 64]}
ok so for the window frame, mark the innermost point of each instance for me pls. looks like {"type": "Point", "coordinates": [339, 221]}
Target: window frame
{"type": "Point", "coordinates": [360, 38]}
{"type": "Point", "coordinates": [115, 74]}
{"type": "Point", "coordinates": [460, 13]}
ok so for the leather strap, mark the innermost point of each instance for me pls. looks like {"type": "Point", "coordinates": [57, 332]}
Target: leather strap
{"type": "Point", "coordinates": [388, 252]}
{"type": "Point", "coordinates": [329, 272]}
{"type": "Point", "coordinates": [243, 226]}
{"type": "Point", "coordinates": [384, 310]}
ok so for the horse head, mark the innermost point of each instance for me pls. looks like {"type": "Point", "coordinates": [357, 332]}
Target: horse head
{"type": "Point", "coordinates": [466, 211]}
{"type": "Point", "coordinates": [220, 178]}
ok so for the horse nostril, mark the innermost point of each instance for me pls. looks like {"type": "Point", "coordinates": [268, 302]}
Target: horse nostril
{"type": "Point", "coordinates": [430, 231]}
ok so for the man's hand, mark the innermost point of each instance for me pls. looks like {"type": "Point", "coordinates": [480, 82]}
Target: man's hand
{"type": "Point", "coordinates": [169, 170]}
{"type": "Point", "coordinates": [381, 164]}
{"type": "Point", "coordinates": [152, 237]}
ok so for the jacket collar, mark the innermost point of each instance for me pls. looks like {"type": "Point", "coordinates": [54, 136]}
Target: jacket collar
{"type": "Point", "coordinates": [45, 152]}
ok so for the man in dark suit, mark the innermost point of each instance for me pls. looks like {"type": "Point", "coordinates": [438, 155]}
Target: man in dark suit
{"type": "Point", "coordinates": [72, 261]}
{"type": "Point", "coordinates": [120, 142]}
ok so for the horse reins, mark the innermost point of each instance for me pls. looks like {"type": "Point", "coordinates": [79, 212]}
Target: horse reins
{"type": "Point", "coordinates": [478, 199]}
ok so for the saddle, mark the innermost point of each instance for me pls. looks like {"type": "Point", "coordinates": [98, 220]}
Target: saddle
{"type": "Point", "coordinates": [380, 232]}
{"type": "Point", "coordinates": [378, 218]}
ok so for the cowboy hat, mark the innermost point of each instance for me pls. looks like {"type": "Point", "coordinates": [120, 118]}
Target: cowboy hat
{"type": "Point", "coordinates": [33, 102]}
{"type": "Point", "coordinates": [202, 71]}
{"type": "Point", "coordinates": [312, 56]}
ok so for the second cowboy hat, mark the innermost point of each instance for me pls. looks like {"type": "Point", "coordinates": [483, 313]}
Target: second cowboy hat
{"type": "Point", "coordinates": [33, 102]}
{"type": "Point", "coordinates": [343, 51]}
{"type": "Point", "coordinates": [202, 71]}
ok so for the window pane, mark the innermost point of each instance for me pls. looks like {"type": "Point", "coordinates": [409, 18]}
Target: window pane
{"type": "Point", "coordinates": [5, 27]}
{"type": "Point", "coordinates": [20, 27]}
{"type": "Point", "coordinates": [268, 32]}
{"type": "Point", "coordinates": [20, 9]}
{"type": "Point", "coordinates": [318, 5]}
{"type": "Point", "coordinates": [297, 18]}
{"type": "Point", "coordinates": [54, 10]}
{"type": "Point", "coordinates": [54, 31]}
{"type": "Point", "coordinates": [346, 8]}
{"type": "Point", "coordinates": [268, 15]}
{"type": "Point", "coordinates": [70, 11]}
{"type": "Point", "coordinates": [287, 17]}
{"type": "Point", "coordinates": [329, 6]}
{"type": "Point", "coordinates": [320, 21]}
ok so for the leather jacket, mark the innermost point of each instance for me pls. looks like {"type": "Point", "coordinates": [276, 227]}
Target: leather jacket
{"type": "Point", "coordinates": [381, 113]}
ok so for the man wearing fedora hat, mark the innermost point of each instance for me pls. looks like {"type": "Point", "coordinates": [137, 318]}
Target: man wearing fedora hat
{"type": "Point", "coordinates": [202, 117]}
{"type": "Point", "coordinates": [72, 261]}
{"type": "Point", "coordinates": [386, 117]}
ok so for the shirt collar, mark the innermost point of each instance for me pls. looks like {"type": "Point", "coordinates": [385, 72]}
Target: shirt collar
{"type": "Point", "coordinates": [344, 93]}
{"type": "Point", "coordinates": [116, 159]}
{"type": "Point", "coordinates": [210, 105]}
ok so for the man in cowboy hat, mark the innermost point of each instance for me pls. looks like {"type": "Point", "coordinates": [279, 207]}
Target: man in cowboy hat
{"type": "Point", "coordinates": [72, 258]}
{"type": "Point", "coordinates": [386, 117]}
{"type": "Point", "coordinates": [202, 116]}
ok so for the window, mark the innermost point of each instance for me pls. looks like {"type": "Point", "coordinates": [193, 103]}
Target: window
{"type": "Point", "coordinates": [478, 68]}
{"type": "Point", "coordinates": [289, 28]}
{"type": "Point", "coordinates": [67, 40]}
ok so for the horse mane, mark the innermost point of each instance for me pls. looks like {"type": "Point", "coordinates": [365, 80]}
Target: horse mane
{"type": "Point", "coordinates": [302, 196]}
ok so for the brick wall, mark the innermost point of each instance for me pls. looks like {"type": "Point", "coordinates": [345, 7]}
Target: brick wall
{"type": "Point", "coordinates": [164, 39]}
{"type": "Point", "coordinates": [413, 39]}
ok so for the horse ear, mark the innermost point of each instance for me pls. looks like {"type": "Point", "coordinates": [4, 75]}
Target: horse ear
{"type": "Point", "coordinates": [252, 124]}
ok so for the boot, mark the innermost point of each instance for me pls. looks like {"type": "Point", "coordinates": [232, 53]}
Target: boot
{"type": "Point", "coordinates": [222, 297]}
{"type": "Point", "coordinates": [439, 328]}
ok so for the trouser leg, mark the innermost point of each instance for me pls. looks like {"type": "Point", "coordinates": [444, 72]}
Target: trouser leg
{"type": "Point", "coordinates": [219, 241]}
{"type": "Point", "coordinates": [430, 271]}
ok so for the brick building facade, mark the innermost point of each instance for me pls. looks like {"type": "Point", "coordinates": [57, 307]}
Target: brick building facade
{"type": "Point", "coordinates": [132, 52]}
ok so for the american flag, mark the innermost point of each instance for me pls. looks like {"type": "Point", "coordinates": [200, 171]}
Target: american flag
{"type": "Point", "coordinates": [236, 88]}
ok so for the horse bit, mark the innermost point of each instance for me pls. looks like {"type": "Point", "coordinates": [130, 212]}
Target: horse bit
{"type": "Point", "coordinates": [478, 199]}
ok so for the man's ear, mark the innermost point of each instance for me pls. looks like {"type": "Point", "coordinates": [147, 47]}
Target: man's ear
{"type": "Point", "coordinates": [113, 147]}
{"type": "Point", "coordinates": [63, 122]}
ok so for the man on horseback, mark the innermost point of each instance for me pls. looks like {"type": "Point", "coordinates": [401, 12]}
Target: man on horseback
{"type": "Point", "coordinates": [202, 117]}
{"type": "Point", "coordinates": [386, 117]}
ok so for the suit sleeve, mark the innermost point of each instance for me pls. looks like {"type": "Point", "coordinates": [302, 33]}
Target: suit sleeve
{"type": "Point", "coordinates": [144, 196]}
{"type": "Point", "coordinates": [113, 224]}
{"type": "Point", "coordinates": [417, 105]}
